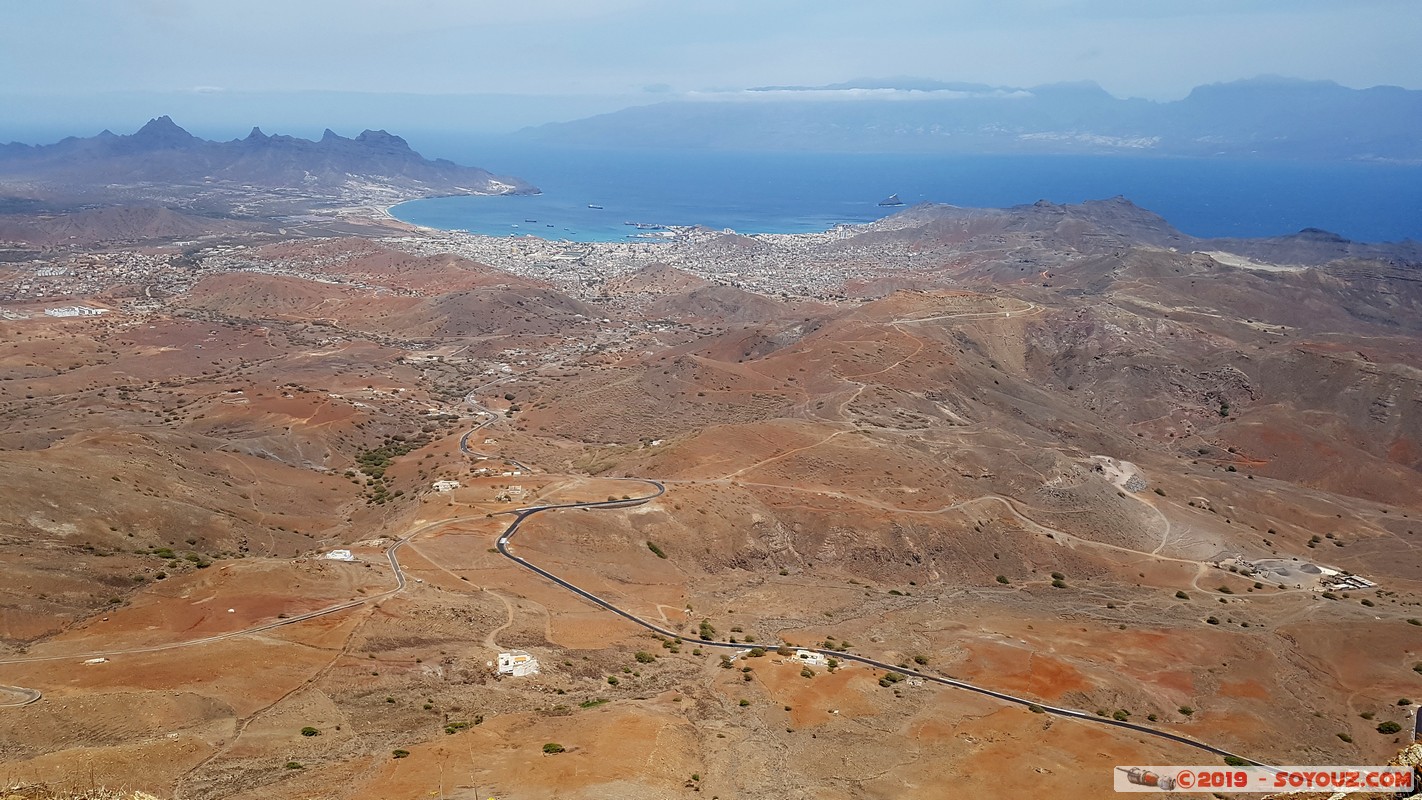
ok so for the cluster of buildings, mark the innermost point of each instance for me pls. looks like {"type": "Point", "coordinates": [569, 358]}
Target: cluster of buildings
{"type": "Point", "coordinates": [800, 265]}
{"type": "Point", "coordinates": [1341, 582]}
{"type": "Point", "coordinates": [88, 274]}
{"type": "Point", "coordinates": [75, 311]}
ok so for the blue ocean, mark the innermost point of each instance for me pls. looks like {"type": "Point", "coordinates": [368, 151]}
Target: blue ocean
{"type": "Point", "coordinates": [594, 195]}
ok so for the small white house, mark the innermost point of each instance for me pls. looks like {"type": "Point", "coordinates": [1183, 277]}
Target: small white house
{"type": "Point", "coordinates": [518, 664]}
{"type": "Point", "coordinates": [339, 555]}
{"type": "Point", "coordinates": [811, 658]}
{"type": "Point", "coordinates": [445, 486]}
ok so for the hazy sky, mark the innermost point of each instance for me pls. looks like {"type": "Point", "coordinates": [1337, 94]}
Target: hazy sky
{"type": "Point", "coordinates": [1146, 48]}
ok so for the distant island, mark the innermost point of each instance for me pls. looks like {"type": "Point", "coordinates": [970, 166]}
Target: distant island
{"type": "Point", "coordinates": [259, 175]}
{"type": "Point", "coordinates": [1259, 118]}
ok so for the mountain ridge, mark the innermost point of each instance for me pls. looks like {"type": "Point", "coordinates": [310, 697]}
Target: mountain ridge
{"type": "Point", "coordinates": [162, 162]}
{"type": "Point", "coordinates": [1264, 117]}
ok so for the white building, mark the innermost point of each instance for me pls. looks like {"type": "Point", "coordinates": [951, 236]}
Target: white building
{"type": "Point", "coordinates": [518, 664]}
{"type": "Point", "coordinates": [445, 486]}
{"type": "Point", "coordinates": [339, 555]}
{"type": "Point", "coordinates": [75, 311]}
{"type": "Point", "coordinates": [811, 658]}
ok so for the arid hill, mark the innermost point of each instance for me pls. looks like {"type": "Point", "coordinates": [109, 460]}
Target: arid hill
{"type": "Point", "coordinates": [1058, 452]}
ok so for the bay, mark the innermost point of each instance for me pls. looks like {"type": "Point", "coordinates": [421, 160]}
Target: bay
{"type": "Point", "coordinates": [591, 195]}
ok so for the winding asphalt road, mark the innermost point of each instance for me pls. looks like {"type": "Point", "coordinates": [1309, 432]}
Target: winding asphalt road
{"type": "Point", "coordinates": [523, 514]}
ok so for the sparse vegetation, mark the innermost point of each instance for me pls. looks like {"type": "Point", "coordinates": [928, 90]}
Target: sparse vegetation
{"type": "Point", "coordinates": [553, 748]}
{"type": "Point", "coordinates": [656, 550]}
{"type": "Point", "coordinates": [310, 731]}
{"type": "Point", "coordinates": [890, 678]}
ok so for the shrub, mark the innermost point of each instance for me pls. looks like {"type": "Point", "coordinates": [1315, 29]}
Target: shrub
{"type": "Point", "coordinates": [1059, 584]}
{"type": "Point", "coordinates": [1057, 576]}
{"type": "Point", "coordinates": [1187, 711]}
{"type": "Point", "coordinates": [643, 657]}
{"type": "Point", "coordinates": [1120, 715]}
{"type": "Point", "coordinates": [294, 765]}
{"type": "Point", "coordinates": [400, 753]}
{"type": "Point", "coordinates": [1389, 727]}
{"type": "Point", "coordinates": [920, 660]}
{"type": "Point", "coordinates": [1182, 596]}
{"type": "Point", "coordinates": [1160, 491]}
{"type": "Point", "coordinates": [1345, 737]}
{"type": "Point", "coordinates": [1036, 709]}
{"type": "Point", "coordinates": [806, 672]}
{"type": "Point", "coordinates": [553, 748]}
{"type": "Point", "coordinates": [593, 703]}
{"type": "Point", "coordinates": [756, 652]}
{"type": "Point", "coordinates": [1002, 579]}
{"type": "Point", "coordinates": [310, 731]}
{"type": "Point", "coordinates": [1236, 761]}
{"type": "Point", "coordinates": [656, 551]}
{"type": "Point", "coordinates": [744, 703]}
{"type": "Point", "coordinates": [612, 680]}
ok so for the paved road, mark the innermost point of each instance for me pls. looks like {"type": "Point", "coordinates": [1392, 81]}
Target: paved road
{"type": "Point", "coordinates": [523, 514]}
{"type": "Point", "coordinates": [489, 419]}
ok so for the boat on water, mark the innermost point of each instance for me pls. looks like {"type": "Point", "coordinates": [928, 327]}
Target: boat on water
{"type": "Point", "coordinates": [891, 200]}
{"type": "Point", "coordinates": [598, 208]}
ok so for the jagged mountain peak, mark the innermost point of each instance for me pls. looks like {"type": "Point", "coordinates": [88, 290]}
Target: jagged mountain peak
{"type": "Point", "coordinates": [163, 132]}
